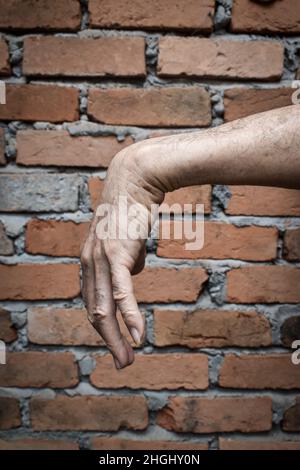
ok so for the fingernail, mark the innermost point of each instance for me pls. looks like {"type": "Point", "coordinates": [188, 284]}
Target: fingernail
{"type": "Point", "coordinates": [118, 365]}
{"type": "Point", "coordinates": [135, 334]}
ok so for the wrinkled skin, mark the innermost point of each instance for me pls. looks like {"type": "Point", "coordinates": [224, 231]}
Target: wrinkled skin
{"type": "Point", "coordinates": [107, 264]}
{"type": "Point", "coordinates": [262, 149]}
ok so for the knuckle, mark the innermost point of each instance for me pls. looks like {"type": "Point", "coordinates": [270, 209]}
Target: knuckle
{"type": "Point", "coordinates": [84, 257]}
{"type": "Point", "coordinates": [119, 294]}
{"type": "Point", "coordinates": [84, 261]}
{"type": "Point", "coordinates": [97, 315]}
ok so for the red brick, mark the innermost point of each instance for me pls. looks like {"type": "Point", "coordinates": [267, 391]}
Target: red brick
{"type": "Point", "coordinates": [219, 58]}
{"type": "Point", "coordinates": [218, 414]}
{"type": "Point", "coordinates": [4, 58]}
{"type": "Point", "coordinates": [191, 195]}
{"type": "Point", "coordinates": [65, 326]}
{"type": "Point", "coordinates": [221, 241]}
{"type": "Point", "coordinates": [165, 132]}
{"type": "Point", "coordinates": [154, 14]}
{"type": "Point", "coordinates": [58, 148]}
{"type": "Point", "coordinates": [154, 372]}
{"type": "Point", "coordinates": [274, 371]}
{"type": "Point", "coordinates": [39, 369]}
{"type": "Point", "coordinates": [95, 191]}
{"type": "Point", "coordinates": [275, 444]}
{"type": "Point", "coordinates": [51, 15]}
{"type": "Point", "coordinates": [183, 284]}
{"type": "Point", "coordinates": [2, 147]}
{"type": "Point", "coordinates": [89, 413]}
{"type": "Point", "coordinates": [38, 282]}
{"type": "Point", "coordinates": [6, 244]}
{"type": "Point", "coordinates": [291, 418]}
{"type": "Point", "coordinates": [292, 244]}
{"type": "Point", "coordinates": [111, 443]}
{"type": "Point", "coordinates": [66, 56]}
{"type": "Point", "coordinates": [40, 103]}
{"type": "Point", "coordinates": [7, 331]}
{"type": "Point", "coordinates": [263, 284]}
{"type": "Point", "coordinates": [10, 416]}
{"type": "Point", "coordinates": [37, 444]}
{"type": "Point", "coordinates": [260, 200]}
{"type": "Point", "coordinates": [210, 328]}
{"type": "Point", "coordinates": [49, 237]}
{"type": "Point", "coordinates": [241, 102]}
{"type": "Point", "coordinates": [274, 17]}
{"type": "Point", "coordinates": [171, 107]}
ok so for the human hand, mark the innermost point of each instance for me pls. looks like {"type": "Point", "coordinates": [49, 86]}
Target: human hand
{"type": "Point", "coordinates": [109, 260]}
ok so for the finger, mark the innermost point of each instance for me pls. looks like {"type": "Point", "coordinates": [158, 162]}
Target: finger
{"type": "Point", "coordinates": [140, 262]}
{"type": "Point", "coordinates": [88, 279]}
{"type": "Point", "coordinates": [123, 294]}
{"type": "Point", "coordinates": [104, 315]}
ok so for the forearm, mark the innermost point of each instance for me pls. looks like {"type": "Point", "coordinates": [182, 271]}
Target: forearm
{"type": "Point", "coordinates": [263, 149]}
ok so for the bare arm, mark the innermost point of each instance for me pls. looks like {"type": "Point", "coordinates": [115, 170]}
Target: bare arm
{"type": "Point", "coordinates": [263, 149]}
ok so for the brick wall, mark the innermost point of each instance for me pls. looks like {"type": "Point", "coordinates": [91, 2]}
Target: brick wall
{"type": "Point", "coordinates": [84, 79]}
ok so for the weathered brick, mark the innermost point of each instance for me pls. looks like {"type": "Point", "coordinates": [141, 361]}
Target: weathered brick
{"type": "Point", "coordinates": [263, 284]}
{"type": "Point", "coordinates": [39, 281]}
{"type": "Point", "coordinates": [210, 328]}
{"type": "Point", "coordinates": [39, 369]}
{"type": "Point", "coordinates": [2, 147]}
{"type": "Point", "coordinates": [40, 103]}
{"type": "Point", "coordinates": [89, 413]}
{"type": "Point", "coordinates": [275, 444]}
{"type": "Point", "coordinates": [171, 107]}
{"type": "Point", "coordinates": [191, 195]}
{"type": "Point", "coordinates": [49, 237]}
{"type": "Point", "coordinates": [65, 326]}
{"type": "Point", "coordinates": [292, 244]}
{"type": "Point", "coordinates": [290, 331]}
{"type": "Point", "coordinates": [154, 14]}
{"type": "Point", "coordinates": [241, 102]}
{"type": "Point", "coordinates": [165, 132]}
{"type": "Point", "coordinates": [221, 241]}
{"type": "Point", "coordinates": [66, 56]}
{"type": "Point", "coordinates": [111, 443]}
{"type": "Point", "coordinates": [95, 191]}
{"type": "Point", "coordinates": [261, 200]}
{"type": "Point", "coordinates": [219, 58]}
{"type": "Point", "coordinates": [153, 372]}
{"type": "Point", "coordinates": [7, 330]}
{"type": "Point", "coordinates": [4, 58]}
{"type": "Point", "coordinates": [6, 244]}
{"type": "Point", "coordinates": [39, 192]}
{"type": "Point", "coordinates": [58, 148]}
{"type": "Point", "coordinates": [184, 284]}
{"type": "Point", "coordinates": [37, 444]}
{"type": "Point", "coordinates": [291, 418]}
{"type": "Point", "coordinates": [274, 17]}
{"type": "Point", "coordinates": [218, 414]}
{"type": "Point", "coordinates": [274, 371]}
{"type": "Point", "coordinates": [50, 15]}
{"type": "Point", "coordinates": [10, 416]}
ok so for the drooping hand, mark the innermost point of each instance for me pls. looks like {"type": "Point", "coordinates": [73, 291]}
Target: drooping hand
{"type": "Point", "coordinates": [115, 249]}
